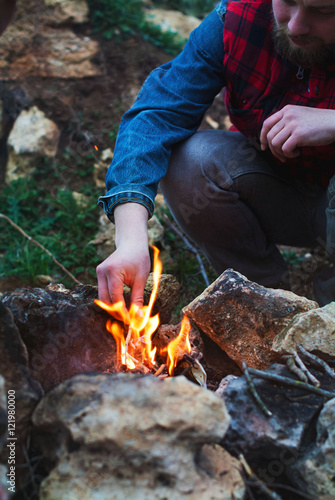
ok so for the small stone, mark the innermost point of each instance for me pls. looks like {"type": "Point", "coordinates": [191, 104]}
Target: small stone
{"type": "Point", "coordinates": [175, 21]}
{"type": "Point", "coordinates": [33, 137]}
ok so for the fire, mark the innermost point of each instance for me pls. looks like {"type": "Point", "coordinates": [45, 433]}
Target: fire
{"type": "Point", "coordinates": [133, 331]}
{"type": "Point", "coordinates": [96, 147]}
{"type": "Point", "coordinates": [179, 345]}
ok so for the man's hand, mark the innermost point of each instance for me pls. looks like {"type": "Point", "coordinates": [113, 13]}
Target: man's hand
{"type": "Point", "coordinates": [293, 127]}
{"type": "Point", "coordinates": [130, 263]}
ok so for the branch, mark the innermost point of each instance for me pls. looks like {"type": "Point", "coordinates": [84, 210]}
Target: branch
{"type": "Point", "coordinates": [290, 382]}
{"type": "Point", "coordinates": [18, 228]}
{"type": "Point", "coordinates": [256, 482]}
{"type": "Point", "coordinates": [252, 389]}
{"type": "Point", "coordinates": [315, 360]}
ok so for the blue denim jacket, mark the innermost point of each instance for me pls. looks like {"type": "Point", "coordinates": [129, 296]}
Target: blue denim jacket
{"type": "Point", "coordinates": [168, 109]}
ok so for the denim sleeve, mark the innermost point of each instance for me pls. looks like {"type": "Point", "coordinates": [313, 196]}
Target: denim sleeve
{"type": "Point", "coordinates": [169, 108]}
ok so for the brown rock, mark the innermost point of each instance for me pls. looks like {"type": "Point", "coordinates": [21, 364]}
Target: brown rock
{"type": "Point", "coordinates": [31, 47]}
{"type": "Point", "coordinates": [243, 317]}
{"type": "Point", "coordinates": [135, 437]}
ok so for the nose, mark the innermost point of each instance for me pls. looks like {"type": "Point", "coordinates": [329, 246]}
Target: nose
{"type": "Point", "coordinates": [298, 24]}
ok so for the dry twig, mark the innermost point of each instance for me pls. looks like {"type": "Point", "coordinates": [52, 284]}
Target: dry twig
{"type": "Point", "coordinates": [255, 481]}
{"type": "Point", "coordinates": [315, 360]}
{"type": "Point", "coordinates": [292, 383]}
{"type": "Point", "coordinates": [305, 370]}
{"type": "Point", "coordinates": [252, 389]}
{"type": "Point", "coordinates": [18, 228]}
{"type": "Point", "coordinates": [290, 363]}
{"type": "Point", "coordinates": [190, 247]}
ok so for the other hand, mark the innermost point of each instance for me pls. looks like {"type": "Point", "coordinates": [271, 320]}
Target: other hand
{"type": "Point", "coordinates": [293, 127]}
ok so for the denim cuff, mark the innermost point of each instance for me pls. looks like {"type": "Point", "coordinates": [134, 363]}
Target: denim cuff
{"type": "Point", "coordinates": [108, 203]}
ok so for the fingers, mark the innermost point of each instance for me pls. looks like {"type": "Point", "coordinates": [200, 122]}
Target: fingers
{"type": "Point", "coordinates": [119, 269]}
{"type": "Point", "coordinates": [279, 135]}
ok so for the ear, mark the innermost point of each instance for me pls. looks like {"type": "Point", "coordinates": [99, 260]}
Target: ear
{"type": "Point", "coordinates": [7, 10]}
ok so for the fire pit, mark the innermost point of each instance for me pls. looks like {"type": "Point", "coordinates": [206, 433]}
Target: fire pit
{"type": "Point", "coordinates": [118, 421]}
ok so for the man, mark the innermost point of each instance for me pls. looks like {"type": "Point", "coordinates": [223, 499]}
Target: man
{"type": "Point", "coordinates": [239, 193]}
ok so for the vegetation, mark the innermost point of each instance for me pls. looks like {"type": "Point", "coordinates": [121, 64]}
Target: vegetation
{"type": "Point", "coordinates": [197, 8]}
{"type": "Point", "coordinates": [119, 19]}
{"type": "Point", "coordinates": [58, 222]}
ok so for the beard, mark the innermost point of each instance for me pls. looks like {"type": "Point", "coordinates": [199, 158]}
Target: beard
{"type": "Point", "coordinates": [318, 56]}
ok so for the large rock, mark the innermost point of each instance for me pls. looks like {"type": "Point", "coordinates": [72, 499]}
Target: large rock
{"type": "Point", "coordinates": [32, 138]}
{"type": "Point", "coordinates": [65, 333]}
{"type": "Point", "coordinates": [15, 376]}
{"type": "Point", "coordinates": [33, 46]}
{"type": "Point", "coordinates": [172, 20]}
{"type": "Point", "coordinates": [127, 436]}
{"type": "Point", "coordinates": [314, 330]}
{"type": "Point", "coordinates": [314, 471]}
{"type": "Point", "coordinates": [279, 437]}
{"type": "Point", "coordinates": [243, 318]}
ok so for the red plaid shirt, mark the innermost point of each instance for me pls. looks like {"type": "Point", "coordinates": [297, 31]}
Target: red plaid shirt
{"type": "Point", "coordinates": [260, 82]}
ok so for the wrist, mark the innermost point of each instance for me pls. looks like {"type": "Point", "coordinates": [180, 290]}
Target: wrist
{"type": "Point", "coordinates": [131, 225]}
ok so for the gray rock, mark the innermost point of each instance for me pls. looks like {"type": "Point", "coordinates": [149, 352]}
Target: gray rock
{"type": "Point", "coordinates": [279, 437]}
{"type": "Point", "coordinates": [243, 318]}
{"type": "Point", "coordinates": [314, 472]}
{"type": "Point", "coordinates": [128, 436]}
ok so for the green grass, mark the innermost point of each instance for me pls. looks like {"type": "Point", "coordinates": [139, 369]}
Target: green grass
{"type": "Point", "coordinates": [117, 19]}
{"type": "Point", "coordinates": [57, 222]}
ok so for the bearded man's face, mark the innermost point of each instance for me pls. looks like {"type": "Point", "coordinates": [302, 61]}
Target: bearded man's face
{"type": "Point", "coordinates": [304, 31]}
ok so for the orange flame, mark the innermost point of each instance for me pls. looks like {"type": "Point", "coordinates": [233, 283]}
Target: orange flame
{"type": "Point", "coordinates": [96, 147]}
{"type": "Point", "coordinates": [179, 345]}
{"type": "Point", "coordinates": [133, 330]}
